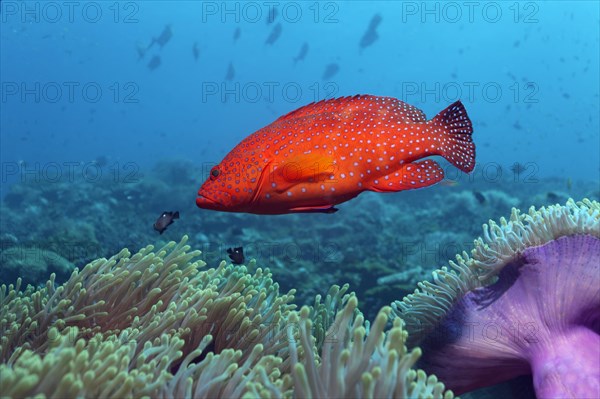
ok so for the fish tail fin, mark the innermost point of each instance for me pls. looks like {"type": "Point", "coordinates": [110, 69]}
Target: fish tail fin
{"type": "Point", "coordinates": [458, 147]}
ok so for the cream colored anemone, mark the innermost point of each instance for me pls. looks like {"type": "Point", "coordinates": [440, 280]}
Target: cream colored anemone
{"type": "Point", "coordinates": [146, 323]}
{"type": "Point", "coordinates": [356, 363]}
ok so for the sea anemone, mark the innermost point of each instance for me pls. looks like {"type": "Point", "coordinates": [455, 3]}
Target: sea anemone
{"type": "Point", "coordinates": [157, 324]}
{"type": "Point", "coordinates": [526, 301]}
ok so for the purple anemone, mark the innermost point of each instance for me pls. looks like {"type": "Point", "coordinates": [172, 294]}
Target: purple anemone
{"type": "Point", "coordinates": [527, 301]}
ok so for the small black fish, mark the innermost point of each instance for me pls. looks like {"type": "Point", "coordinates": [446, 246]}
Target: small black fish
{"type": "Point", "coordinates": [165, 220]}
{"type": "Point", "coordinates": [275, 33]}
{"type": "Point", "coordinates": [196, 51]}
{"type": "Point", "coordinates": [154, 63]}
{"type": "Point", "coordinates": [236, 34]}
{"type": "Point", "coordinates": [302, 53]}
{"type": "Point", "coordinates": [236, 255]}
{"type": "Point", "coordinates": [480, 198]}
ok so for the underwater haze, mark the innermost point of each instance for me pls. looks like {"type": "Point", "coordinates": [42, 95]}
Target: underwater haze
{"type": "Point", "coordinates": [114, 114]}
{"type": "Point", "coordinates": [75, 88]}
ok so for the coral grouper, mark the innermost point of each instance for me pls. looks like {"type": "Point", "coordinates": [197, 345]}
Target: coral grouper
{"type": "Point", "coordinates": [328, 152]}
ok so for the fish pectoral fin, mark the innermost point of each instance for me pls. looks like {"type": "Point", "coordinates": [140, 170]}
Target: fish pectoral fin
{"type": "Point", "coordinates": [301, 169]}
{"type": "Point", "coordinates": [315, 209]}
{"type": "Point", "coordinates": [408, 177]}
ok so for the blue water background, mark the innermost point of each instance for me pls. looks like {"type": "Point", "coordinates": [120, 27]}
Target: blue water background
{"type": "Point", "coordinates": [542, 56]}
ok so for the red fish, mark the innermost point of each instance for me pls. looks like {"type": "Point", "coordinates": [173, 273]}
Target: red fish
{"type": "Point", "coordinates": [328, 152]}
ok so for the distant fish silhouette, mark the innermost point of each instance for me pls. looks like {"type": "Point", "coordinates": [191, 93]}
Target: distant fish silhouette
{"type": "Point", "coordinates": [330, 71]}
{"type": "Point", "coordinates": [275, 33]}
{"type": "Point", "coordinates": [272, 15]}
{"type": "Point", "coordinates": [141, 50]}
{"type": "Point", "coordinates": [164, 37]}
{"type": "Point", "coordinates": [479, 197]}
{"type": "Point", "coordinates": [101, 161]}
{"type": "Point", "coordinates": [237, 34]}
{"type": "Point", "coordinates": [230, 72]}
{"type": "Point", "coordinates": [552, 197]}
{"type": "Point", "coordinates": [302, 53]}
{"type": "Point", "coordinates": [517, 168]}
{"type": "Point", "coordinates": [165, 220]}
{"type": "Point", "coordinates": [196, 51]}
{"type": "Point", "coordinates": [154, 63]}
{"type": "Point", "coordinates": [370, 36]}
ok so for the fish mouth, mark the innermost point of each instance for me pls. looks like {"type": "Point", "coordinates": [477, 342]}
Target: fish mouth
{"type": "Point", "coordinates": [202, 201]}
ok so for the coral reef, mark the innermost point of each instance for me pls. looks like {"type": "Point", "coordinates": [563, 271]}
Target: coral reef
{"type": "Point", "coordinates": [372, 237]}
{"type": "Point", "coordinates": [32, 264]}
{"type": "Point", "coordinates": [526, 300]}
{"type": "Point", "coordinates": [158, 324]}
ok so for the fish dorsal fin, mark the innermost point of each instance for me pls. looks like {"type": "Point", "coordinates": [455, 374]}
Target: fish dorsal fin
{"type": "Point", "coordinates": [396, 109]}
{"type": "Point", "coordinates": [316, 108]}
{"type": "Point", "coordinates": [406, 112]}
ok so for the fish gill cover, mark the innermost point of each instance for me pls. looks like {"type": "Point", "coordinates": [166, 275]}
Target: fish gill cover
{"type": "Point", "coordinates": [115, 114]}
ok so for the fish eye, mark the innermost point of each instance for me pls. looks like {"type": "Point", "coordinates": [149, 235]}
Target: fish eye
{"type": "Point", "coordinates": [214, 173]}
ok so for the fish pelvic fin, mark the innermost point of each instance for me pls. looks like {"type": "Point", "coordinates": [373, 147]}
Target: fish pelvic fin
{"type": "Point", "coordinates": [457, 146]}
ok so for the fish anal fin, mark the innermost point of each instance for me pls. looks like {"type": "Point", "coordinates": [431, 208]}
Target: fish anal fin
{"type": "Point", "coordinates": [410, 176]}
{"type": "Point", "coordinates": [315, 209]}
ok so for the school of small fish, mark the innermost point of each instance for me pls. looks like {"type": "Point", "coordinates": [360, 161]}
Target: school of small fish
{"type": "Point", "coordinates": [326, 153]}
